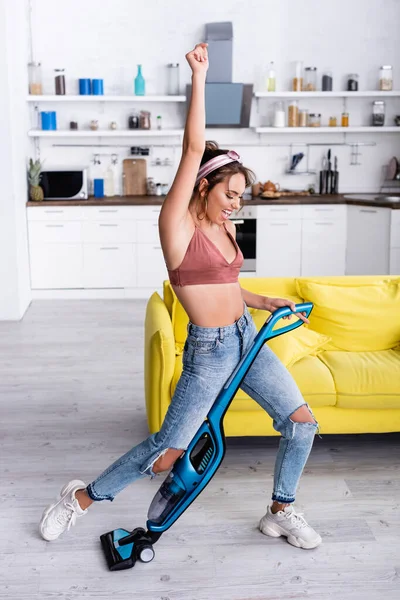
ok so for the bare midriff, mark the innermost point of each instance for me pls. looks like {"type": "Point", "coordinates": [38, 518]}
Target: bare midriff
{"type": "Point", "coordinates": [211, 305]}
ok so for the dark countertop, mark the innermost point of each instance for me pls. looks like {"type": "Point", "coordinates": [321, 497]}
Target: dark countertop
{"type": "Point", "coordinates": [158, 200]}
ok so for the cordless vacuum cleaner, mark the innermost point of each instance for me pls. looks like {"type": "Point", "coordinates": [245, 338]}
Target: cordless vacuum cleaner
{"type": "Point", "coordinates": [195, 468]}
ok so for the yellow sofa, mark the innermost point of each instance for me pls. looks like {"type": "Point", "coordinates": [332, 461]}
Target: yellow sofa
{"type": "Point", "coordinates": [346, 362]}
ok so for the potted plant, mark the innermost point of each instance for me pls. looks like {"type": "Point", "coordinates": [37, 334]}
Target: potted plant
{"type": "Point", "coordinates": [34, 175]}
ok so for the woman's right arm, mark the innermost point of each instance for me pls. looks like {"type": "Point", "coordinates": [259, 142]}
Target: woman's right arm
{"type": "Point", "coordinates": [175, 205]}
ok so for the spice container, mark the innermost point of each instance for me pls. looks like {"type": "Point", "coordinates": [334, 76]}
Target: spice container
{"type": "Point", "coordinates": [378, 113]}
{"type": "Point", "coordinates": [327, 82]}
{"type": "Point", "coordinates": [352, 82]}
{"type": "Point", "coordinates": [293, 118]}
{"type": "Point", "coordinates": [59, 82]}
{"type": "Point", "coordinates": [73, 125]}
{"type": "Point", "coordinates": [279, 115]}
{"type": "Point", "coordinates": [385, 78]}
{"type": "Point", "coordinates": [35, 79]}
{"type": "Point", "coordinates": [310, 79]}
{"type": "Point", "coordinates": [144, 120]}
{"type": "Point", "coordinates": [297, 83]}
{"type": "Point", "coordinates": [159, 122]}
{"type": "Point", "coordinates": [173, 79]}
{"type": "Point", "coordinates": [314, 120]}
{"type": "Point", "coordinates": [303, 117]}
{"type": "Point", "coordinates": [332, 121]}
{"type": "Point", "coordinates": [94, 125]}
{"type": "Point", "coordinates": [345, 119]}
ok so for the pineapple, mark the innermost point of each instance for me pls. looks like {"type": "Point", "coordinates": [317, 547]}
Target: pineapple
{"type": "Point", "coordinates": [35, 191]}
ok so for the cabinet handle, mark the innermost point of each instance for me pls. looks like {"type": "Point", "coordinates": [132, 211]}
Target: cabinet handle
{"type": "Point", "coordinates": [108, 224]}
{"type": "Point", "coordinates": [323, 223]}
{"type": "Point", "coordinates": [323, 209]}
{"type": "Point", "coordinates": [280, 224]}
{"type": "Point", "coordinates": [279, 209]}
{"type": "Point", "coordinates": [54, 225]}
{"type": "Point", "coordinates": [114, 210]}
{"type": "Point", "coordinates": [156, 247]}
{"type": "Point", "coordinates": [53, 211]}
{"type": "Point", "coordinates": [155, 224]}
{"type": "Point", "coordinates": [237, 221]}
{"type": "Point", "coordinates": [368, 211]}
{"type": "Point", "coordinates": [110, 248]}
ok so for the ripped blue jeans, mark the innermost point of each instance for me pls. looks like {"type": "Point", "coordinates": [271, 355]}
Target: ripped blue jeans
{"type": "Point", "coordinates": [209, 357]}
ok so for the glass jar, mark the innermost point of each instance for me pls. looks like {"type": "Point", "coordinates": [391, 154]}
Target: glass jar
{"type": "Point", "coordinates": [133, 121]}
{"type": "Point", "coordinates": [35, 79]}
{"type": "Point", "coordinates": [378, 113]}
{"type": "Point", "coordinates": [297, 83]}
{"type": "Point", "coordinates": [144, 120]}
{"type": "Point", "coordinates": [385, 78]}
{"type": "Point", "coordinates": [352, 82]}
{"type": "Point", "coordinates": [327, 81]}
{"type": "Point", "coordinates": [303, 117]}
{"type": "Point", "coordinates": [332, 121]}
{"type": "Point", "coordinates": [345, 119]}
{"type": "Point", "coordinates": [293, 117]}
{"type": "Point", "coordinates": [310, 79]}
{"type": "Point", "coordinates": [173, 79]}
{"type": "Point", "coordinates": [59, 82]}
{"type": "Point", "coordinates": [279, 115]}
{"type": "Point", "coordinates": [314, 120]}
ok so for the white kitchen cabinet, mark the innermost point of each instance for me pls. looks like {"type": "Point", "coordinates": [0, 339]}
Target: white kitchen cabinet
{"type": "Point", "coordinates": [56, 266]}
{"type": "Point", "coordinates": [323, 240]}
{"type": "Point", "coordinates": [109, 231]}
{"type": "Point", "coordinates": [278, 247]}
{"type": "Point", "coordinates": [151, 269]}
{"type": "Point", "coordinates": [394, 268]}
{"type": "Point", "coordinates": [109, 265]}
{"type": "Point", "coordinates": [395, 261]}
{"type": "Point", "coordinates": [368, 234]}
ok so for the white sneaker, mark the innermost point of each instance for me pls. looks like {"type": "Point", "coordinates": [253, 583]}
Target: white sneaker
{"type": "Point", "coordinates": [292, 525]}
{"type": "Point", "coordinates": [62, 515]}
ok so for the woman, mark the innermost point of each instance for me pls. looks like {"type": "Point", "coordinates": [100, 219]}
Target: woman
{"type": "Point", "coordinates": [203, 261]}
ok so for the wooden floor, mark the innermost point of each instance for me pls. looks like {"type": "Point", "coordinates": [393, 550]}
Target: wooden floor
{"type": "Point", "coordinates": [71, 391]}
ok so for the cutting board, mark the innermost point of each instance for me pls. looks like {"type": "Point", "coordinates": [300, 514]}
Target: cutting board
{"type": "Point", "coordinates": [134, 174]}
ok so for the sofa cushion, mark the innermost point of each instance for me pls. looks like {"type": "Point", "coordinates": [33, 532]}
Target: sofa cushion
{"type": "Point", "coordinates": [365, 379]}
{"type": "Point", "coordinates": [311, 375]}
{"type": "Point", "coordinates": [357, 316]}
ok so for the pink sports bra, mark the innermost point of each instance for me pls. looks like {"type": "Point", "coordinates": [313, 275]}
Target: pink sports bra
{"type": "Point", "coordinates": [204, 263]}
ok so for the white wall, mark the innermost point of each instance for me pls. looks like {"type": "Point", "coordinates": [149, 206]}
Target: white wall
{"type": "Point", "coordinates": [95, 39]}
{"type": "Point", "coordinates": [15, 291]}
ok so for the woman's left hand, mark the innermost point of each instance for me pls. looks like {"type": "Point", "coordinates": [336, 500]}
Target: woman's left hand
{"type": "Point", "coordinates": [272, 304]}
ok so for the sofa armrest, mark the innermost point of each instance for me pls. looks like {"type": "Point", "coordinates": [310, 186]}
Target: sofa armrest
{"type": "Point", "coordinates": [159, 361]}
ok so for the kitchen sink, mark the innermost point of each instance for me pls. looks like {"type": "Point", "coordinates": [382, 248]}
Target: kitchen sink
{"type": "Point", "coordinates": [373, 197]}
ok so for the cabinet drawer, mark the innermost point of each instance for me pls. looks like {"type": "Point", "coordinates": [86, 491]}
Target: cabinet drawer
{"type": "Point", "coordinates": [100, 213]}
{"type": "Point", "coordinates": [278, 248]}
{"type": "Point", "coordinates": [56, 266]}
{"type": "Point", "coordinates": [109, 266]}
{"type": "Point", "coordinates": [151, 269]}
{"type": "Point", "coordinates": [60, 232]}
{"type": "Point", "coordinates": [55, 213]}
{"type": "Point", "coordinates": [147, 232]}
{"type": "Point", "coordinates": [120, 232]}
{"type": "Point", "coordinates": [279, 211]}
{"type": "Point", "coordinates": [395, 229]}
{"type": "Point", "coordinates": [324, 211]}
{"type": "Point", "coordinates": [324, 230]}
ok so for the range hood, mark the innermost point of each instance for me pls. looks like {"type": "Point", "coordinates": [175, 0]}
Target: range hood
{"type": "Point", "coordinates": [228, 104]}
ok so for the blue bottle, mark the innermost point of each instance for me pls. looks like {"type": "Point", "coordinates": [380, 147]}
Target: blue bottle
{"type": "Point", "coordinates": [140, 85]}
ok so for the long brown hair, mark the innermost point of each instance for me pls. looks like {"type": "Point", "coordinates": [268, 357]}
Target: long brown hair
{"type": "Point", "coordinates": [211, 151]}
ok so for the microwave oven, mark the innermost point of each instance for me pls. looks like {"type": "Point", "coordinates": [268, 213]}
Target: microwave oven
{"type": "Point", "coordinates": [64, 185]}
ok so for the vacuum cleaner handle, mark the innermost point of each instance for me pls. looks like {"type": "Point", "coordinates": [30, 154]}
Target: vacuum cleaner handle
{"type": "Point", "coordinates": [284, 311]}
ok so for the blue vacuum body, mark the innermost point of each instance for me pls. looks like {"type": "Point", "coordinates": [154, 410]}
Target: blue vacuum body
{"type": "Point", "coordinates": [196, 467]}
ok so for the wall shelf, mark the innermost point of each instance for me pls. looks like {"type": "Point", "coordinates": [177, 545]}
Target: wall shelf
{"type": "Point", "coordinates": [327, 129]}
{"type": "Point", "coordinates": [102, 98]}
{"type": "Point", "coordinates": [371, 94]}
{"type": "Point", "coordinates": [36, 133]}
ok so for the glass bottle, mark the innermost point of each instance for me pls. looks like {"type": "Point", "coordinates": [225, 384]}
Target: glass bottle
{"type": "Point", "coordinates": [271, 78]}
{"type": "Point", "coordinates": [352, 82]}
{"type": "Point", "coordinates": [310, 79]}
{"type": "Point", "coordinates": [35, 79]}
{"type": "Point", "coordinates": [303, 117]}
{"type": "Point", "coordinates": [279, 115]}
{"type": "Point", "coordinates": [378, 113]}
{"type": "Point", "coordinates": [293, 117]}
{"type": "Point", "coordinates": [140, 84]}
{"type": "Point", "coordinates": [173, 79]}
{"type": "Point", "coordinates": [385, 78]}
{"type": "Point", "coordinates": [59, 82]}
{"type": "Point", "coordinates": [345, 119]}
{"type": "Point", "coordinates": [297, 83]}
{"type": "Point", "coordinates": [327, 81]}
{"type": "Point", "coordinates": [159, 122]}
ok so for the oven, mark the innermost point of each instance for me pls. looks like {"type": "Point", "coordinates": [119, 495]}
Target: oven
{"type": "Point", "coordinates": [246, 234]}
